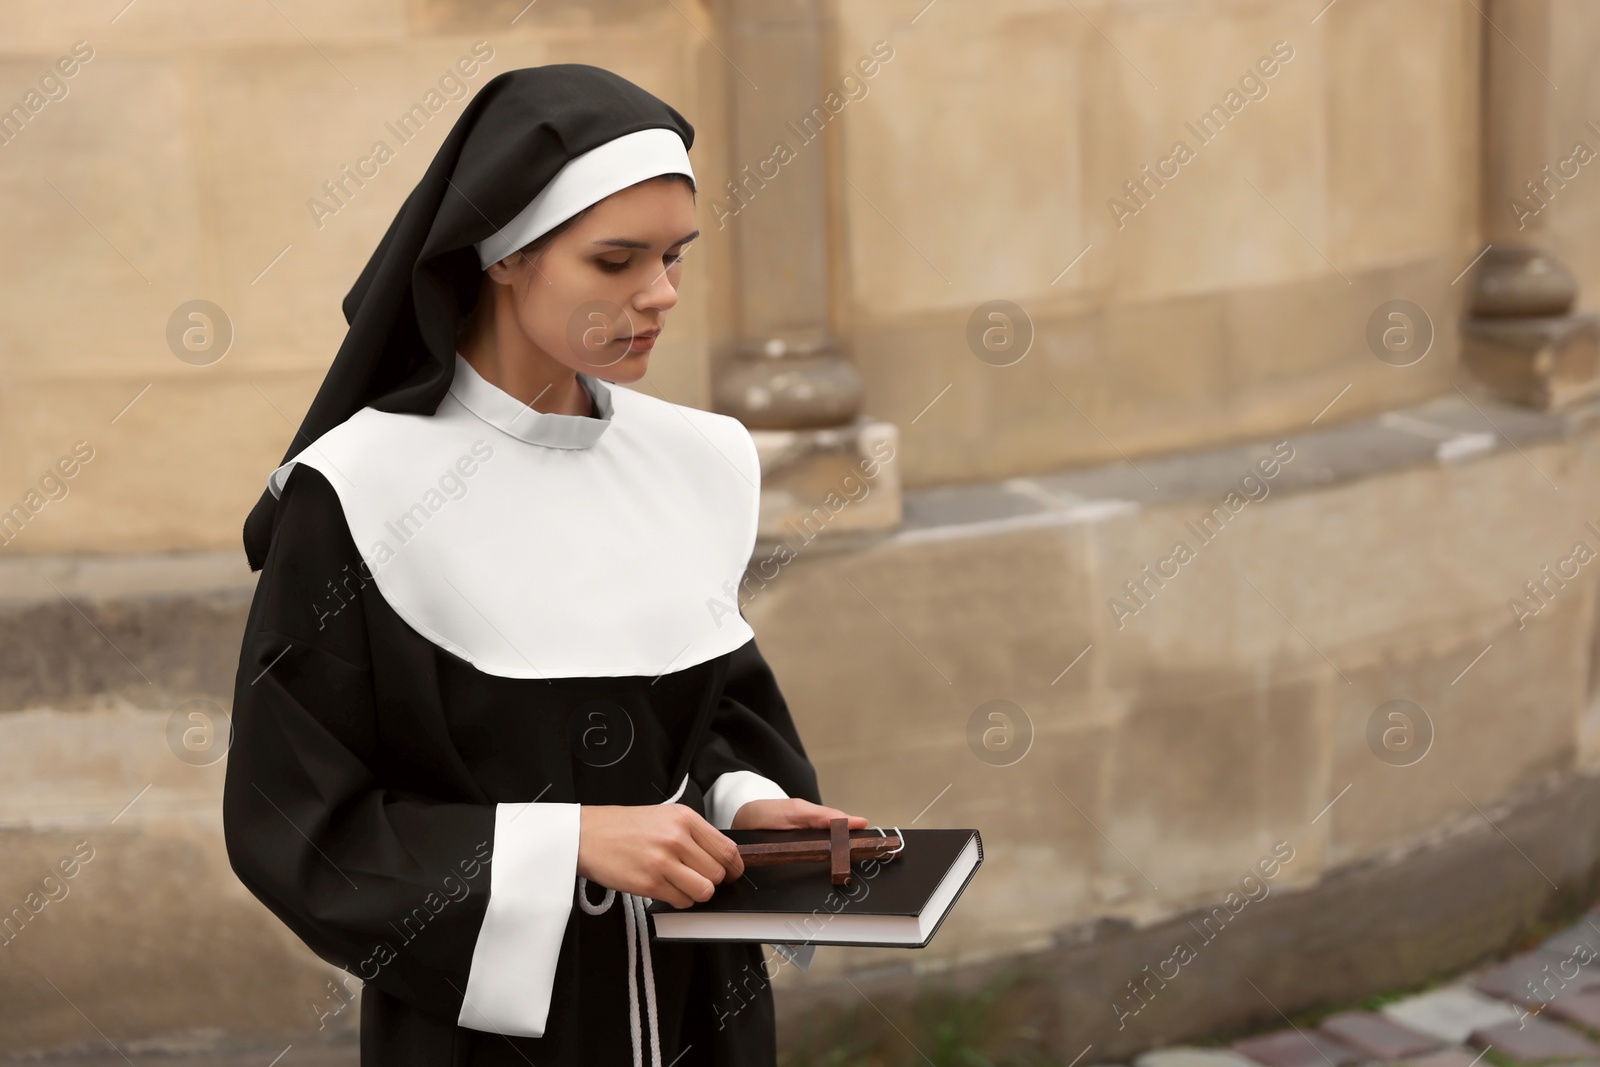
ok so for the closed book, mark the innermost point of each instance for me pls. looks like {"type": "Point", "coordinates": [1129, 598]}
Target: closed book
{"type": "Point", "coordinates": [895, 903]}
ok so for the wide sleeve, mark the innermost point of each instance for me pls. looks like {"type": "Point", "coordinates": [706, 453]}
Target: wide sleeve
{"type": "Point", "coordinates": [457, 908]}
{"type": "Point", "coordinates": [751, 751]}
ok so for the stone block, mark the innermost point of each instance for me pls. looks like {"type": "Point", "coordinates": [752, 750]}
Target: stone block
{"type": "Point", "coordinates": [1291, 345]}
{"type": "Point", "coordinates": [43, 27]}
{"type": "Point", "coordinates": [1377, 1035]}
{"type": "Point", "coordinates": [988, 79]}
{"type": "Point", "coordinates": [1581, 1009]}
{"type": "Point", "coordinates": [919, 634]}
{"type": "Point", "coordinates": [1448, 1057]}
{"type": "Point", "coordinates": [815, 483]}
{"type": "Point", "coordinates": [1508, 712]}
{"type": "Point", "coordinates": [1536, 1038]}
{"type": "Point", "coordinates": [1179, 1056]}
{"type": "Point", "coordinates": [1296, 1048]}
{"type": "Point", "coordinates": [1450, 1013]}
{"type": "Point", "coordinates": [153, 896]}
{"type": "Point", "coordinates": [122, 137]}
{"type": "Point", "coordinates": [1204, 228]}
{"type": "Point", "coordinates": [1182, 806]}
{"type": "Point", "coordinates": [1544, 363]}
{"type": "Point", "coordinates": [1534, 978]}
{"type": "Point", "coordinates": [1378, 216]}
{"type": "Point", "coordinates": [1579, 940]}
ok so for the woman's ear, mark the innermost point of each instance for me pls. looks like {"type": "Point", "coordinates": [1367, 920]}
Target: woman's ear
{"type": "Point", "coordinates": [502, 270]}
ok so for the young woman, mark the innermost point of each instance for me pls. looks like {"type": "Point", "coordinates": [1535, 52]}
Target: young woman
{"type": "Point", "coordinates": [495, 653]}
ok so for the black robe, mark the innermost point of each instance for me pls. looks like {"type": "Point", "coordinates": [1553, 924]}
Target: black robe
{"type": "Point", "coordinates": [363, 778]}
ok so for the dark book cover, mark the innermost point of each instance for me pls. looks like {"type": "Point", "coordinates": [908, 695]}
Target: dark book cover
{"type": "Point", "coordinates": [902, 886]}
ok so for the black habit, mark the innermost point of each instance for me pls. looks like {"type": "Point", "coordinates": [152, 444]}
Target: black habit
{"type": "Point", "coordinates": [471, 619]}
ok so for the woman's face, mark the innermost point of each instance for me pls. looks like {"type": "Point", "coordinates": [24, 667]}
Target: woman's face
{"type": "Point", "coordinates": [602, 287]}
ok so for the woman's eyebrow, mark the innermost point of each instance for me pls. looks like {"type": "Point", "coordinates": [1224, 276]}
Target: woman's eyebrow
{"type": "Point", "coordinates": [628, 242]}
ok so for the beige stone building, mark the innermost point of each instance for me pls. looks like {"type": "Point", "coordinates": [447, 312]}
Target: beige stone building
{"type": "Point", "coordinates": [1306, 288]}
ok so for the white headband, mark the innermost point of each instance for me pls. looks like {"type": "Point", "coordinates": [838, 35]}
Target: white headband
{"type": "Point", "coordinates": [586, 180]}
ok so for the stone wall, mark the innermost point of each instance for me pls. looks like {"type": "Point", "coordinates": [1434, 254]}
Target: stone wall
{"type": "Point", "coordinates": [1227, 300]}
{"type": "Point", "coordinates": [186, 162]}
{"type": "Point", "coordinates": [979, 162]}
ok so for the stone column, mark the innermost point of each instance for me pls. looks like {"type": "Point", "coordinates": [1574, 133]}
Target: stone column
{"type": "Point", "coordinates": [788, 379]}
{"type": "Point", "coordinates": [1521, 338]}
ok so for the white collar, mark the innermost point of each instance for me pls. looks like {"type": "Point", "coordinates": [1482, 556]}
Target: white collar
{"type": "Point", "coordinates": [624, 558]}
{"type": "Point", "coordinates": [506, 413]}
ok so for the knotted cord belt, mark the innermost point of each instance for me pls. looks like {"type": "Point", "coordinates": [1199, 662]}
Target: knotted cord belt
{"type": "Point", "coordinates": [638, 930]}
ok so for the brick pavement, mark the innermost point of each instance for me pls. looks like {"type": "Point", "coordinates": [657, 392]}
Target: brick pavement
{"type": "Point", "coordinates": [1541, 1006]}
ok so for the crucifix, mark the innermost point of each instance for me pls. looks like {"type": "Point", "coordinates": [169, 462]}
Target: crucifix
{"type": "Point", "coordinates": [839, 851]}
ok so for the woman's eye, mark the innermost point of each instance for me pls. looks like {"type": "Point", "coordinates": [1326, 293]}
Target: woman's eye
{"type": "Point", "coordinates": [611, 267]}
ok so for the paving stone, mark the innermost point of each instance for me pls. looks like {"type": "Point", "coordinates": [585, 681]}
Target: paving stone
{"type": "Point", "coordinates": [1536, 1038]}
{"type": "Point", "coordinates": [1376, 1035]}
{"type": "Point", "coordinates": [1535, 978]}
{"type": "Point", "coordinates": [1186, 1056]}
{"type": "Point", "coordinates": [1581, 1009]}
{"type": "Point", "coordinates": [1586, 931]}
{"type": "Point", "coordinates": [1297, 1048]}
{"type": "Point", "coordinates": [1447, 1057]}
{"type": "Point", "coordinates": [1450, 1013]}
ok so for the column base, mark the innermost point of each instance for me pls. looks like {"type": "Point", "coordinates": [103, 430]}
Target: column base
{"type": "Point", "coordinates": [828, 481]}
{"type": "Point", "coordinates": [1546, 362]}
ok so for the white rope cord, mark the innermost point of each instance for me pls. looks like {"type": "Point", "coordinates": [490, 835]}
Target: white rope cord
{"type": "Point", "coordinates": [633, 983]}
{"type": "Point", "coordinates": [884, 833]}
{"type": "Point", "coordinates": [638, 930]}
{"type": "Point", "coordinates": [649, 978]}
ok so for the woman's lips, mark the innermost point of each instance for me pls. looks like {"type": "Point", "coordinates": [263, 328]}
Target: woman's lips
{"type": "Point", "coordinates": [643, 342]}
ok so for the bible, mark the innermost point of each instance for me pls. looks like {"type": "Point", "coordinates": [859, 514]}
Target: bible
{"type": "Point", "coordinates": [889, 897]}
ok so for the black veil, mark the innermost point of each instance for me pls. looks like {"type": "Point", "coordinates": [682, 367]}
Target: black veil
{"type": "Point", "coordinates": [512, 138]}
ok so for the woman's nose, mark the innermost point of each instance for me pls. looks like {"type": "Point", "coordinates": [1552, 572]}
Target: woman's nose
{"type": "Point", "coordinates": [660, 293]}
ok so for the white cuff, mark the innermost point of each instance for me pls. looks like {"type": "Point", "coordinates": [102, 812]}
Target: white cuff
{"type": "Point", "coordinates": [532, 875]}
{"type": "Point", "coordinates": [734, 790]}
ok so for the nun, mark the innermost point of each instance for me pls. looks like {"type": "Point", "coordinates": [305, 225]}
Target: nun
{"type": "Point", "coordinates": [496, 692]}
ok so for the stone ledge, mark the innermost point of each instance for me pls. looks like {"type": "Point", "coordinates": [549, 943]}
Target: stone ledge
{"type": "Point", "coordinates": [32, 580]}
{"type": "Point", "coordinates": [1447, 430]}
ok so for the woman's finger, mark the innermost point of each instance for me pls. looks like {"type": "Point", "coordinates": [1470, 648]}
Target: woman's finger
{"type": "Point", "coordinates": [818, 816]}
{"type": "Point", "coordinates": [719, 847]}
{"type": "Point", "coordinates": [671, 894]}
{"type": "Point", "coordinates": [695, 856]}
{"type": "Point", "coordinates": [691, 883]}
{"type": "Point", "coordinates": [793, 813]}
{"type": "Point", "coordinates": [854, 822]}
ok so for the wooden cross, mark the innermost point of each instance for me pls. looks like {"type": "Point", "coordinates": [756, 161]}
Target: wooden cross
{"type": "Point", "coordinates": [840, 850]}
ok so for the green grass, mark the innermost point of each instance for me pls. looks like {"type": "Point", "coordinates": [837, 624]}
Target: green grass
{"type": "Point", "coordinates": [944, 1027]}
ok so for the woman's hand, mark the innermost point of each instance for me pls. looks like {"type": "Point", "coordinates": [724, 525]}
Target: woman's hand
{"type": "Point", "coordinates": [791, 814]}
{"type": "Point", "coordinates": [663, 851]}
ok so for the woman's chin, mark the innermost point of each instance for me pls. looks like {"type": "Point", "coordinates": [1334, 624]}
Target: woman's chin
{"type": "Point", "coordinates": [629, 368]}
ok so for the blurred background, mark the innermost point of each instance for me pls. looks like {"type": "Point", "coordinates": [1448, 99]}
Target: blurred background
{"type": "Point", "coordinates": [1179, 463]}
